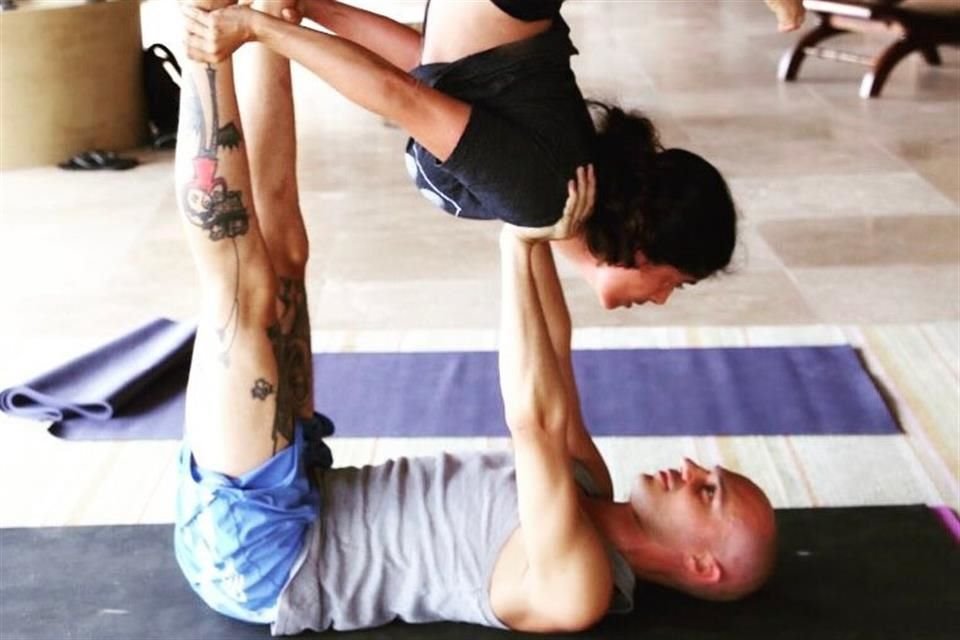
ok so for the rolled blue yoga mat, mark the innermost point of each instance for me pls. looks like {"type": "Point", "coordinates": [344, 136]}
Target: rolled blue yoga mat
{"type": "Point", "coordinates": [132, 388]}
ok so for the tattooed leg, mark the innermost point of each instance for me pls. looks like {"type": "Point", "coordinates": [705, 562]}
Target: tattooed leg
{"type": "Point", "coordinates": [266, 103]}
{"type": "Point", "coordinates": [238, 396]}
{"type": "Point", "coordinates": [297, 363]}
{"type": "Point", "coordinates": [293, 358]}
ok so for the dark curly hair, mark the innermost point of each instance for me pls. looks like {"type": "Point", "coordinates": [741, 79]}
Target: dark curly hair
{"type": "Point", "coordinates": [669, 204]}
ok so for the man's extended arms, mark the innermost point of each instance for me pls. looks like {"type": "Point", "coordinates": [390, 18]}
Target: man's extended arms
{"type": "Point", "coordinates": [568, 582]}
{"type": "Point", "coordinates": [580, 445]}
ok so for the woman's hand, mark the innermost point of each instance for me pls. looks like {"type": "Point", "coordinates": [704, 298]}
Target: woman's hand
{"type": "Point", "coordinates": [213, 36]}
{"type": "Point", "coordinates": [582, 192]}
{"type": "Point", "coordinates": [289, 10]}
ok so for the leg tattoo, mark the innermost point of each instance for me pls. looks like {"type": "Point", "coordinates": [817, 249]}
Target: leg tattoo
{"type": "Point", "coordinates": [207, 200]}
{"type": "Point", "coordinates": [295, 321]}
{"type": "Point", "coordinates": [261, 389]}
{"type": "Point", "coordinates": [291, 348]}
{"type": "Point", "coordinates": [211, 205]}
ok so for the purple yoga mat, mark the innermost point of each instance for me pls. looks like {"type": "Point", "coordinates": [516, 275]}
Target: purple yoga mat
{"type": "Point", "coordinates": [132, 388]}
{"type": "Point", "coordinates": [128, 389]}
{"type": "Point", "coordinates": [950, 521]}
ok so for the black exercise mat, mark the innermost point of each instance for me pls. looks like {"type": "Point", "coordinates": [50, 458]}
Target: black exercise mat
{"type": "Point", "coordinates": [871, 573]}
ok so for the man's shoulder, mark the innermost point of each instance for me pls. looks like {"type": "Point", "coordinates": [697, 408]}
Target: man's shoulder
{"type": "Point", "coordinates": [573, 597]}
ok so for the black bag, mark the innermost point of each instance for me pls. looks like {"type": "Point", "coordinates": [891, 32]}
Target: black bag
{"type": "Point", "coordinates": [161, 78]}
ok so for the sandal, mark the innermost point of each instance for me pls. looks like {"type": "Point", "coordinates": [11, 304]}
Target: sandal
{"type": "Point", "coordinates": [97, 159]}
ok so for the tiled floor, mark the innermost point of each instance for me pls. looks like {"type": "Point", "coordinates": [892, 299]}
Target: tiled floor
{"type": "Point", "coordinates": [851, 232]}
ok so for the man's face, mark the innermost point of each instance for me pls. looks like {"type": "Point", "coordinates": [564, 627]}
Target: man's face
{"type": "Point", "coordinates": [693, 509]}
{"type": "Point", "coordinates": [647, 282]}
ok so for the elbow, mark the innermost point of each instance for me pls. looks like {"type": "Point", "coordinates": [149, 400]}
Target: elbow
{"type": "Point", "coordinates": [578, 621]}
{"type": "Point", "coordinates": [585, 611]}
{"type": "Point", "coordinates": [572, 617]}
{"type": "Point", "coordinates": [551, 419]}
{"type": "Point", "coordinates": [517, 416]}
{"type": "Point", "coordinates": [411, 59]}
{"type": "Point", "coordinates": [534, 400]}
{"type": "Point", "coordinates": [588, 618]}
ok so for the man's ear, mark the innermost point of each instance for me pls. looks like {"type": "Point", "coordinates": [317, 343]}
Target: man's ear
{"type": "Point", "coordinates": [702, 568]}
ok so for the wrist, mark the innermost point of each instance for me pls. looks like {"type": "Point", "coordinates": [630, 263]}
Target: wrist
{"type": "Point", "coordinates": [256, 23]}
{"type": "Point", "coordinates": [514, 235]}
{"type": "Point", "coordinates": [508, 237]}
{"type": "Point", "coordinates": [515, 248]}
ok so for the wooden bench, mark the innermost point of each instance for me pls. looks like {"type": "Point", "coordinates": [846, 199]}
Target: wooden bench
{"type": "Point", "coordinates": [919, 25]}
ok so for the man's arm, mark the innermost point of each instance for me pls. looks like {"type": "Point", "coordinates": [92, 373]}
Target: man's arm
{"type": "Point", "coordinates": [397, 43]}
{"type": "Point", "coordinates": [568, 581]}
{"type": "Point", "coordinates": [580, 445]}
{"type": "Point", "coordinates": [434, 119]}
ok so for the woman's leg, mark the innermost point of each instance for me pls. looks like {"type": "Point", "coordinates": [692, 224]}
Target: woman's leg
{"type": "Point", "coordinates": [240, 410]}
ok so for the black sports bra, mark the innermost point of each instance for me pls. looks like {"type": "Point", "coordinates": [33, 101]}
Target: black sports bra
{"type": "Point", "coordinates": [526, 10]}
{"type": "Point", "coordinates": [530, 10]}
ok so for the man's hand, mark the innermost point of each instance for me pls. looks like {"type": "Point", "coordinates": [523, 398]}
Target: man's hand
{"type": "Point", "coordinates": [582, 192]}
{"type": "Point", "coordinates": [213, 36]}
{"type": "Point", "coordinates": [790, 13]}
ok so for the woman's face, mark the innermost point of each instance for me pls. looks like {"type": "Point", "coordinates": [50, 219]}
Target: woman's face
{"type": "Point", "coordinates": [647, 282]}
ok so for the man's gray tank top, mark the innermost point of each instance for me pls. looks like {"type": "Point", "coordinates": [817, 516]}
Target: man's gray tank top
{"type": "Point", "coordinates": [414, 539]}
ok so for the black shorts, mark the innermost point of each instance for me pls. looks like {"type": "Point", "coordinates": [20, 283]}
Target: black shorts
{"type": "Point", "coordinates": [529, 130]}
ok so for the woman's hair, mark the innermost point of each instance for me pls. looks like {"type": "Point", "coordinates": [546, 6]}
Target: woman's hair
{"type": "Point", "coordinates": [669, 204]}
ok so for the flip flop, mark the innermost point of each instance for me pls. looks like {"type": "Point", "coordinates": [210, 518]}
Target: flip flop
{"type": "Point", "coordinates": [165, 141]}
{"type": "Point", "coordinates": [98, 159]}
